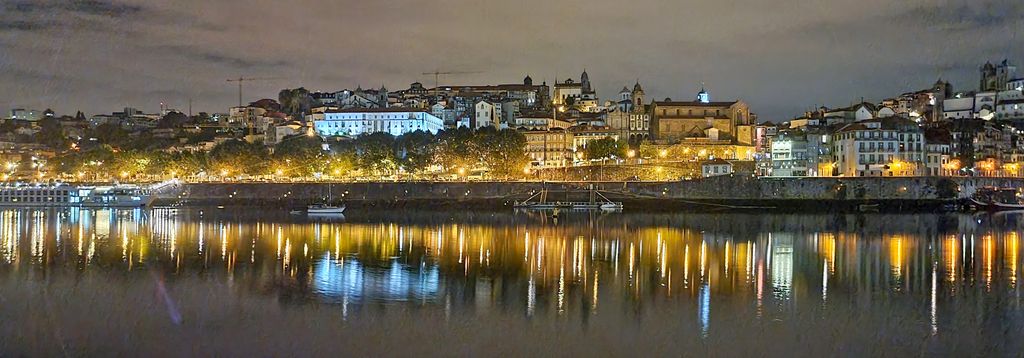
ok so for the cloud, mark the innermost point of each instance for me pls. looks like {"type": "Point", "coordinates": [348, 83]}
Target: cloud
{"type": "Point", "coordinates": [964, 17]}
{"type": "Point", "coordinates": [781, 56]}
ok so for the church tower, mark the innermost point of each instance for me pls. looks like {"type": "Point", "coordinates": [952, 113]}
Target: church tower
{"type": "Point", "coordinates": [585, 82]}
{"type": "Point", "coordinates": [988, 77]}
{"type": "Point", "coordinates": [638, 97]}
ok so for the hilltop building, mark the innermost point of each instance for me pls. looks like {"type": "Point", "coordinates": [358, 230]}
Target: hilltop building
{"type": "Point", "coordinates": [395, 121]}
{"type": "Point", "coordinates": [701, 121]}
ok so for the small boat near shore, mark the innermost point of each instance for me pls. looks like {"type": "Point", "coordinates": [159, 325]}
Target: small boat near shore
{"type": "Point", "coordinates": [996, 199]}
{"type": "Point", "coordinates": [324, 208]}
{"type": "Point", "coordinates": [597, 201]}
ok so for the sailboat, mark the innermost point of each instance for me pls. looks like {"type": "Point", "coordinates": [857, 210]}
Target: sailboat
{"type": "Point", "coordinates": [325, 208]}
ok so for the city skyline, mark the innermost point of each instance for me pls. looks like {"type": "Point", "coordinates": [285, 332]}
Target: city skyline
{"type": "Point", "coordinates": [100, 56]}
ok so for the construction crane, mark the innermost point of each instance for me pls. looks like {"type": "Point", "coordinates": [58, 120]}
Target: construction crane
{"type": "Point", "coordinates": [437, 75]}
{"type": "Point", "coordinates": [244, 79]}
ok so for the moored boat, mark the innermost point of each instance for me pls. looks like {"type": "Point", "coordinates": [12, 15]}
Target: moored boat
{"type": "Point", "coordinates": [62, 194]}
{"type": "Point", "coordinates": [996, 199]}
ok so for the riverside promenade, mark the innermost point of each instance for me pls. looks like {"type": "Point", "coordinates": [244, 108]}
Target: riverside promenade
{"type": "Point", "coordinates": [724, 193]}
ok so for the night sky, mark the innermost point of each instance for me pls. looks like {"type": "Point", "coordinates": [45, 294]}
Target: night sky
{"type": "Point", "coordinates": [781, 56]}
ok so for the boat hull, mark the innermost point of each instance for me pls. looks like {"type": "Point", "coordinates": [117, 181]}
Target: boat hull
{"type": "Point", "coordinates": [326, 211]}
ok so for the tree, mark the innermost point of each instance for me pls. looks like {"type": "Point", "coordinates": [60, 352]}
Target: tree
{"type": "Point", "coordinates": [130, 163]}
{"type": "Point", "coordinates": [415, 151]}
{"type": "Point", "coordinates": [90, 163]}
{"type": "Point", "coordinates": [172, 120]}
{"type": "Point", "coordinates": [300, 155]}
{"type": "Point", "coordinates": [235, 157]}
{"type": "Point", "coordinates": [457, 148]}
{"type": "Point", "coordinates": [606, 147]}
{"type": "Point", "coordinates": [341, 158]}
{"type": "Point", "coordinates": [504, 151]}
{"type": "Point", "coordinates": [109, 133]}
{"type": "Point", "coordinates": [295, 102]}
{"type": "Point", "coordinates": [52, 134]}
{"type": "Point", "coordinates": [376, 153]}
{"type": "Point", "coordinates": [181, 164]}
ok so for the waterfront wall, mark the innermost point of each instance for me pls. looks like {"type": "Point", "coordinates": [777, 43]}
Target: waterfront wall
{"type": "Point", "coordinates": [733, 190]}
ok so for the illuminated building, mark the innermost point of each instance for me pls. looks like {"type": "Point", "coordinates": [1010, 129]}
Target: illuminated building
{"type": "Point", "coordinates": [694, 122]}
{"type": "Point", "coordinates": [879, 147]}
{"type": "Point", "coordinates": [578, 95]}
{"type": "Point", "coordinates": [996, 77]}
{"type": "Point", "coordinates": [395, 121]}
{"type": "Point", "coordinates": [801, 152]}
{"type": "Point", "coordinates": [548, 147]}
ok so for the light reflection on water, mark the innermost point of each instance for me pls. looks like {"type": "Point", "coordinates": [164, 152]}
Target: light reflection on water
{"type": "Point", "coordinates": [531, 266]}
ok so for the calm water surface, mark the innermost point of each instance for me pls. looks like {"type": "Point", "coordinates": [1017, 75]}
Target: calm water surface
{"type": "Point", "coordinates": [244, 281]}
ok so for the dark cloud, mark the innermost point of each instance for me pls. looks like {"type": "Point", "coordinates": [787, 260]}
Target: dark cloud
{"type": "Point", "coordinates": [781, 56]}
{"type": "Point", "coordinates": [221, 60]}
{"type": "Point", "coordinates": [963, 17]}
{"type": "Point", "coordinates": [86, 7]}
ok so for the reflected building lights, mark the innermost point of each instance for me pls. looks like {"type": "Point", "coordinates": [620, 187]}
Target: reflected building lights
{"type": "Point", "coordinates": [562, 269]}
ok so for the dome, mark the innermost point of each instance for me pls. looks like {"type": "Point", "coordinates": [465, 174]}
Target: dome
{"type": "Point", "coordinates": [703, 96]}
{"type": "Point", "coordinates": [528, 81]}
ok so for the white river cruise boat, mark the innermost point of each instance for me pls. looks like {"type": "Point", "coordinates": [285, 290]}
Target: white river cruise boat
{"type": "Point", "coordinates": [60, 194]}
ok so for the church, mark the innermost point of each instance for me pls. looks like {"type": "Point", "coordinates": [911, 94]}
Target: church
{"type": "Point", "coordinates": [575, 95]}
{"type": "Point", "coordinates": [701, 121]}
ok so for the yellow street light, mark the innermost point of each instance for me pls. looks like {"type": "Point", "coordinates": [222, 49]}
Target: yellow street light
{"type": "Point", "coordinates": [631, 153]}
{"type": "Point", "coordinates": [663, 153]}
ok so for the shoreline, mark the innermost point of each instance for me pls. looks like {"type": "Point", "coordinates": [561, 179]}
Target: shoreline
{"type": "Point", "coordinates": [649, 205]}
{"type": "Point", "coordinates": [732, 194]}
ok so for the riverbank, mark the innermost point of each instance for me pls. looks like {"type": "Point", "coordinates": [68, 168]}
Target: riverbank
{"type": "Point", "coordinates": [708, 194]}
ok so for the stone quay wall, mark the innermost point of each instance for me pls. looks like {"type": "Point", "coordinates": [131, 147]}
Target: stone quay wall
{"type": "Point", "coordinates": [726, 191]}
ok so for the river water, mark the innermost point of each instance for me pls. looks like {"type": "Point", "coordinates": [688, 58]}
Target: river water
{"type": "Point", "coordinates": [256, 281]}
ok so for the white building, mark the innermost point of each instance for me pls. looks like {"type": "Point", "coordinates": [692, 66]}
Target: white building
{"type": "Point", "coordinates": [715, 167]}
{"type": "Point", "coordinates": [958, 108]}
{"type": "Point", "coordinates": [879, 147]}
{"type": "Point", "coordinates": [985, 105]}
{"type": "Point", "coordinates": [800, 152]}
{"type": "Point", "coordinates": [22, 114]}
{"type": "Point", "coordinates": [277, 133]}
{"type": "Point", "coordinates": [1016, 84]}
{"type": "Point", "coordinates": [396, 121]}
{"type": "Point", "coordinates": [1010, 105]}
{"type": "Point", "coordinates": [487, 114]}
{"type": "Point", "coordinates": [938, 153]}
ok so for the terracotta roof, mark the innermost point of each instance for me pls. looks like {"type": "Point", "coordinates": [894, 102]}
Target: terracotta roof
{"type": "Point", "coordinates": [694, 103]}
{"type": "Point", "coordinates": [716, 161]}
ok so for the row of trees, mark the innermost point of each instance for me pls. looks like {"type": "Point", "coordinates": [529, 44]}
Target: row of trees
{"type": "Point", "coordinates": [457, 151]}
